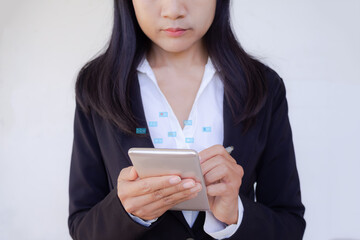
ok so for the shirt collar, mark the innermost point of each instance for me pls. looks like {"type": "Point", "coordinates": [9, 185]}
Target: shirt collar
{"type": "Point", "coordinates": [144, 67]}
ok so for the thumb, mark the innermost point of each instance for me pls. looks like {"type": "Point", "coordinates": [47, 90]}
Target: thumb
{"type": "Point", "coordinates": [133, 174]}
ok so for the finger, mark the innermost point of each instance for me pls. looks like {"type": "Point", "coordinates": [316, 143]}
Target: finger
{"type": "Point", "coordinates": [218, 173]}
{"type": "Point", "coordinates": [125, 174]}
{"type": "Point", "coordinates": [190, 196]}
{"type": "Point", "coordinates": [159, 185]}
{"type": "Point", "coordinates": [154, 211]}
{"type": "Point", "coordinates": [214, 150]}
{"type": "Point", "coordinates": [152, 184]}
{"type": "Point", "coordinates": [212, 163]}
{"type": "Point", "coordinates": [133, 174]}
{"type": "Point", "coordinates": [155, 208]}
{"type": "Point", "coordinates": [219, 189]}
{"type": "Point", "coordinates": [163, 194]}
{"type": "Point", "coordinates": [240, 170]}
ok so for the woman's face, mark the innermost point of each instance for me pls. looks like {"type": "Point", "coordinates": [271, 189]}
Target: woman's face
{"type": "Point", "coordinates": [156, 16]}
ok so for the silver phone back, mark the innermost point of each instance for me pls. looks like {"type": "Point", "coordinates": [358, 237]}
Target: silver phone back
{"type": "Point", "coordinates": [150, 162]}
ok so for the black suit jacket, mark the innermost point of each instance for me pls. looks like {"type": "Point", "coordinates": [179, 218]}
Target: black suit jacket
{"type": "Point", "coordinates": [265, 152]}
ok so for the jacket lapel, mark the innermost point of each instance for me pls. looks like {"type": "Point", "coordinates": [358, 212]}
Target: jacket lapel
{"type": "Point", "coordinates": [126, 141]}
{"type": "Point", "coordinates": [233, 135]}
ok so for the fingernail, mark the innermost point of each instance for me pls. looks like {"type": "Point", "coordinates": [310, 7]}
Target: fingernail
{"type": "Point", "coordinates": [189, 184]}
{"type": "Point", "coordinates": [195, 189]}
{"type": "Point", "coordinates": [175, 180]}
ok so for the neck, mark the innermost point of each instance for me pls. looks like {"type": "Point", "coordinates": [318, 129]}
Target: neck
{"type": "Point", "coordinates": [194, 56]}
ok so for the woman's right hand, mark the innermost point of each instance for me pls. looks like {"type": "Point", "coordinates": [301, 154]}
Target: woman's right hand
{"type": "Point", "coordinates": [149, 198]}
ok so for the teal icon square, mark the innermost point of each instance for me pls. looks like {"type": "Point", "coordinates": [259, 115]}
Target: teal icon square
{"type": "Point", "coordinates": [140, 130]}
{"type": "Point", "coordinates": [187, 122]}
{"type": "Point", "coordinates": [163, 114]}
{"type": "Point", "coordinates": [158, 140]}
{"type": "Point", "coordinates": [206, 129]}
{"type": "Point", "coordinates": [171, 134]}
{"type": "Point", "coordinates": [153, 124]}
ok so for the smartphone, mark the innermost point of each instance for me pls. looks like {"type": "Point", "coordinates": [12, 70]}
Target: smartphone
{"type": "Point", "coordinates": [152, 162]}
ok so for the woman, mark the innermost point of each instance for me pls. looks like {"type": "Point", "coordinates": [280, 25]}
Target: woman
{"type": "Point", "coordinates": [174, 76]}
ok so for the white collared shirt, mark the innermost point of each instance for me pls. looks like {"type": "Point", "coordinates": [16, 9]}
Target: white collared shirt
{"type": "Point", "coordinates": [203, 129]}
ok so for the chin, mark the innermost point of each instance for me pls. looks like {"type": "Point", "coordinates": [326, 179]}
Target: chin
{"type": "Point", "coordinates": [176, 48]}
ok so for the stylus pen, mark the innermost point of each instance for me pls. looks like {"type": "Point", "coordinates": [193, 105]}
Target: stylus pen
{"type": "Point", "coordinates": [229, 149]}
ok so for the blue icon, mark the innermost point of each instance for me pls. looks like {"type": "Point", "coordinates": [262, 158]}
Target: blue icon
{"type": "Point", "coordinates": [153, 124]}
{"type": "Point", "coordinates": [140, 130]}
{"type": "Point", "coordinates": [171, 134]}
{"type": "Point", "coordinates": [187, 122]}
{"type": "Point", "coordinates": [163, 114]}
{"type": "Point", "coordinates": [189, 140]}
{"type": "Point", "coordinates": [158, 140]}
{"type": "Point", "coordinates": [206, 129]}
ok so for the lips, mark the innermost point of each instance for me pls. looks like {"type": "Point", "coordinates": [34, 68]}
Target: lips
{"type": "Point", "coordinates": [175, 32]}
{"type": "Point", "coordinates": [174, 29]}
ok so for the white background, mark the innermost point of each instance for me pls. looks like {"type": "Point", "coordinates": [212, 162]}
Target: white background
{"type": "Point", "coordinates": [314, 45]}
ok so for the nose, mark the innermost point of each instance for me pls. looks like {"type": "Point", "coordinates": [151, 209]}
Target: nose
{"type": "Point", "coordinates": [173, 9]}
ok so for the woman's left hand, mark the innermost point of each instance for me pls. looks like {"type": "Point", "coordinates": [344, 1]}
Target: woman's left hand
{"type": "Point", "coordinates": [223, 177]}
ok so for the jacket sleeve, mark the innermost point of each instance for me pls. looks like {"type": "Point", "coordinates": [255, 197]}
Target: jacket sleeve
{"type": "Point", "coordinates": [95, 211]}
{"type": "Point", "coordinates": [277, 213]}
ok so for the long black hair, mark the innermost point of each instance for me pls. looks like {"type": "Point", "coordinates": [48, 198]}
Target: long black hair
{"type": "Point", "coordinates": [103, 84]}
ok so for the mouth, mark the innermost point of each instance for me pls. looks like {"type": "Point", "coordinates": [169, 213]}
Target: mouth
{"type": "Point", "coordinates": [175, 29]}
{"type": "Point", "coordinates": [175, 32]}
